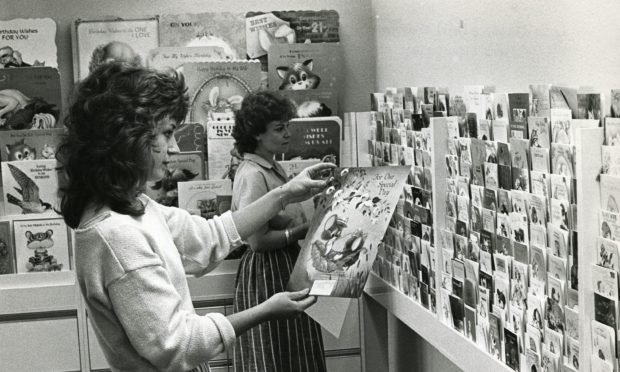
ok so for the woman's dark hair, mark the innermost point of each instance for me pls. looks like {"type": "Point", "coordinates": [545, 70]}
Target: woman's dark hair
{"type": "Point", "coordinates": [257, 110]}
{"type": "Point", "coordinates": [105, 156]}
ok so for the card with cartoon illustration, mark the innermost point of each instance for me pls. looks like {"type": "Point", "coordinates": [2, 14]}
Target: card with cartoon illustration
{"type": "Point", "coordinates": [29, 144]}
{"type": "Point", "coordinates": [305, 66]}
{"type": "Point", "coordinates": [42, 245]}
{"type": "Point", "coordinates": [216, 89]}
{"type": "Point", "coordinates": [350, 220]}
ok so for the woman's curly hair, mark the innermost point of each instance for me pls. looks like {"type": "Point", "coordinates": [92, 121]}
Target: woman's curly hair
{"type": "Point", "coordinates": [257, 110]}
{"type": "Point", "coordinates": [105, 156]}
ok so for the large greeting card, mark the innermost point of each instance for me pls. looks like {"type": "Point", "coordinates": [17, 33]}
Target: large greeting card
{"type": "Point", "coordinates": [223, 30]}
{"type": "Point", "coordinates": [99, 41]}
{"type": "Point", "coordinates": [28, 42]}
{"type": "Point", "coordinates": [216, 89]}
{"type": "Point", "coordinates": [350, 220]}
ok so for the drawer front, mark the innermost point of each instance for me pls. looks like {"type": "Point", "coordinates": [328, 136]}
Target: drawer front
{"type": "Point", "coordinates": [40, 345]}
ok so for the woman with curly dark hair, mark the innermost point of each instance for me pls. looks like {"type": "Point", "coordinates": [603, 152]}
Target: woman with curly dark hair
{"type": "Point", "coordinates": [261, 133]}
{"type": "Point", "coordinates": [132, 254]}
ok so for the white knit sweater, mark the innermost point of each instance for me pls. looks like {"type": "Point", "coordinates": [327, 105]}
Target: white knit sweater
{"type": "Point", "coordinates": [131, 272]}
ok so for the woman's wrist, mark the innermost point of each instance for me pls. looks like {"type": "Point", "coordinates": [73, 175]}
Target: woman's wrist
{"type": "Point", "coordinates": [282, 194]}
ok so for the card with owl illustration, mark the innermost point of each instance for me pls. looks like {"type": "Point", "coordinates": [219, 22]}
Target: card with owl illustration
{"type": "Point", "coordinates": [37, 90]}
{"type": "Point", "coordinates": [350, 219]}
{"type": "Point", "coordinates": [42, 245]}
{"type": "Point", "coordinates": [29, 144]}
{"type": "Point", "coordinates": [305, 67]}
{"type": "Point", "coordinates": [7, 249]}
{"type": "Point", "coordinates": [216, 89]}
{"type": "Point", "coordinates": [30, 187]}
{"type": "Point", "coordinates": [183, 166]}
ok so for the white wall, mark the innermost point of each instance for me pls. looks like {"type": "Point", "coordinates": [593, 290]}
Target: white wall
{"type": "Point", "coordinates": [356, 35]}
{"type": "Point", "coordinates": [509, 44]}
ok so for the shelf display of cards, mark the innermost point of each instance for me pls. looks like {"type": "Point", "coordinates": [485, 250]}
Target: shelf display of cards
{"type": "Point", "coordinates": [42, 245]}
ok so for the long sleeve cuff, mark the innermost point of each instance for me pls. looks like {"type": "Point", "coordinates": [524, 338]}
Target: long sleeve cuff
{"type": "Point", "coordinates": [231, 230]}
{"type": "Point", "coordinates": [227, 332]}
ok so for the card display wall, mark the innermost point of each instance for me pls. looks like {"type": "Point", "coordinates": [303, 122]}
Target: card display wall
{"type": "Point", "coordinates": [506, 232]}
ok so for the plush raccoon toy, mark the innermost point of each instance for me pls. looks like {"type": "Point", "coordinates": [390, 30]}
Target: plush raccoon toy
{"type": "Point", "coordinates": [299, 76]}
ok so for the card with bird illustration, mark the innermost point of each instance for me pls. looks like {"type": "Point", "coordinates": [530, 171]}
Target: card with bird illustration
{"type": "Point", "coordinates": [42, 245]}
{"type": "Point", "coordinates": [350, 220]}
{"type": "Point", "coordinates": [183, 166]}
{"type": "Point", "coordinates": [30, 187]}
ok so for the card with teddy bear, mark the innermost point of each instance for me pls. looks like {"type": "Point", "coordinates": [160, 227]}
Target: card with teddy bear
{"type": "Point", "coordinates": [42, 245]}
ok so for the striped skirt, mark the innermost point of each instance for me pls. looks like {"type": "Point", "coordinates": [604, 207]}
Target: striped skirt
{"type": "Point", "coordinates": [289, 345]}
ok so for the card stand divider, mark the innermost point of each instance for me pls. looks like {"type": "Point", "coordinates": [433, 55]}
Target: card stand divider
{"type": "Point", "coordinates": [588, 166]}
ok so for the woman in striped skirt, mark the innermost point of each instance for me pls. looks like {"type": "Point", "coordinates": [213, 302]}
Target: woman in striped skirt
{"type": "Point", "coordinates": [261, 132]}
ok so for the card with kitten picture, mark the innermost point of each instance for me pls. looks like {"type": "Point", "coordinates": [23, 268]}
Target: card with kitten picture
{"type": "Point", "coordinates": [305, 66]}
{"type": "Point", "coordinates": [540, 129]}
